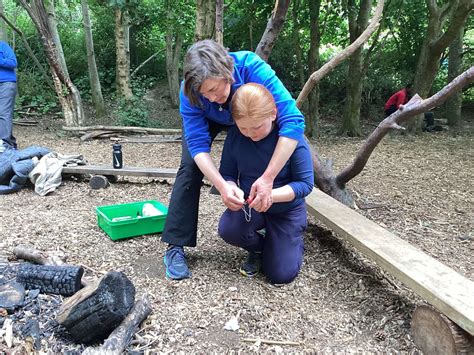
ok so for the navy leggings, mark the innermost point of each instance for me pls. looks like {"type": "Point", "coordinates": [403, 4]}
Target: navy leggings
{"type": "Point", "coordinates": [282, 246]}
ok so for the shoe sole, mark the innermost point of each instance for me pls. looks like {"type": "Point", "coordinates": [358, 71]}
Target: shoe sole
{"type": "Point", "coordinates": [245, 273]}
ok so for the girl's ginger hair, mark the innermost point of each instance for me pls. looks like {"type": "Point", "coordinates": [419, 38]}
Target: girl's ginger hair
{"type": "Point", "coordinates": [252, 101]}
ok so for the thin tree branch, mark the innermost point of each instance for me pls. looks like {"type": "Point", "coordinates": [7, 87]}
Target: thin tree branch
{"type": "Point", "coordinates": [414, 107]}
{"type": "Point", "coordinates": [29, 50]}
{"type": "Point", "coordinates": [146, 61]}
{"type": "Point", "coordinates": [326, 68]}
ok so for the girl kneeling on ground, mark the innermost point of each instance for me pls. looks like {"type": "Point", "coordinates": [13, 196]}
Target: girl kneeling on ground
{"type": "Point", "coordinates": [273, 239]}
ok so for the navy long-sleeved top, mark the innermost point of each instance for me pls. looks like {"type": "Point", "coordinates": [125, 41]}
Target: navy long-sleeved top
{"type": "Point", "coordinates": [244, 161]}
{"type": "Point", "coordinates": [8, 63]}
{"type": "Point", "coordinates": [248, 68]}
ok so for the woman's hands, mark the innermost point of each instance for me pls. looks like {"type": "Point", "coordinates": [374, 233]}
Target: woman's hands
{"type": "Point", "coordinates": [232, 196]}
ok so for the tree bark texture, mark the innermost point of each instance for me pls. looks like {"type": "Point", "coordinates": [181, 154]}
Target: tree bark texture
{"type": "Point", "coordinates": [312, 119]}
{"type": "Point", "coordinates": [122, 57]}
{"type": "Point", "coordinates": [53, 24]}
{"type": "Point", "coordinates": [62, 280]}
{"type": "Point", "coordinates": [68, 95]}
{"type": "Point", "coordinates": [93, 312]}
{"type": "Point", "coordinates": [174, 42]}
{"type": "Point", "coordinates": [274, 26]}
{"type": "Point", "coordinates": [205, 19]}
{"type": "Point", "coordinates": [296, 37]}
{"type": "Point", "coordinates": [443, 26]}
{"type": "Point", "coordinates": [354, 78]}
{"type": "Point", "coordinates": [220, 22]}
{"type": "Point", "coordinates": [454, 103]}
{"type": "Point", "coordinates": [96, 90]}
{"type": "Point", "coordinates": [3, 25]}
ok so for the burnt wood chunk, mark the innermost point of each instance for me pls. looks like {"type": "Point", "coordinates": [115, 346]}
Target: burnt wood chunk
{"type": "Point", "coordinates": [98, 182]}
{"type": "Point", "coordinates": [97, 309]}
{"type": "Point", "coordinates": [120, 338]}
{"type": "Point", "coordinates": [56, 279]}
{"type": "Point", "coordinates": [12, 295]}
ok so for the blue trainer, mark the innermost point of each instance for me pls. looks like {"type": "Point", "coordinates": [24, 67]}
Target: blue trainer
{"type": "Point", "coordinates": [175, 263]}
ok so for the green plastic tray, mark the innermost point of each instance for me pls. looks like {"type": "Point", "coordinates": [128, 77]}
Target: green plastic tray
{"type": "Point", "coordinates": [126, 220]}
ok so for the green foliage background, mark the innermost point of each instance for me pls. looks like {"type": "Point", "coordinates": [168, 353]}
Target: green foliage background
{"type": "Point", "coordinates": [391, 66]}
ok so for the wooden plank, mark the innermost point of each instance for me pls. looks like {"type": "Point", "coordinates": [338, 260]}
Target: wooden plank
{"type": "Point", "coordinates": [125, 171]}
{"type": "Point", "coordinates": [450, 292]}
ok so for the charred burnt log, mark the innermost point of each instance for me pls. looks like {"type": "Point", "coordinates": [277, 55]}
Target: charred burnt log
{"type": "Point", "coordinates": [96, 310]}
{"type": "Point", "coordinates": [120, 338]}
{"type": "Point", "coordinates": [57, 279]}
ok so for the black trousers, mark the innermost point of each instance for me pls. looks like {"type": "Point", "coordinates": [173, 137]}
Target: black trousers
{"type": "Point", "coordinates": [182, 219]}
{"type": "Point", "coordinates": [390, 110]}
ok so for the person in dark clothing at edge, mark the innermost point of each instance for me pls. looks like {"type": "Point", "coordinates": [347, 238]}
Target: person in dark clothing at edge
{"type": "Point", "coordinates": [211, 76]}
{"type": "Point", "coordinates": [8, 63]}
{"type": "Point", "coordinates": [273, 239]}
{"type": "Point", "coordinates": [399, 98]}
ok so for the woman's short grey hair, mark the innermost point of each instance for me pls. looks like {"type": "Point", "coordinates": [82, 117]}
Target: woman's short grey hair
{"type": "Point", "coordinates": [204, 60]}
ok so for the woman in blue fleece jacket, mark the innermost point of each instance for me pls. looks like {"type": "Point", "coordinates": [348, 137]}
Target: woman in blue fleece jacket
{"type": "Point", "coordinates": [247, 151]}
{"type": "Point", "coordinates": [211, 76]}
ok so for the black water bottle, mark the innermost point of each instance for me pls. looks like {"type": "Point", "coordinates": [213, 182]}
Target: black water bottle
{"type": "Point", "coordinates": [117, 156]}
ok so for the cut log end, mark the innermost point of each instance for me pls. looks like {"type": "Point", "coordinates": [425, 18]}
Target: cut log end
{"type": "Point", "coordinates": [434, 333]}
{"type": "Point", "coordinates": [98, 182]}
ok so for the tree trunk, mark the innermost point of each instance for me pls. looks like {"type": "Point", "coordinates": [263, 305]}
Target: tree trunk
{"type": "Point", "coordinates": [205, 19]}
{"type": "Point", "coordinates": [96, 90]}
{"type": "Point", "coordinates": [220, 22]}
{"type": "Point", "coordinates": [174, 42]}
{"type": "Point", "coordinates": [312, 121]}
{"type": "Point", "coordinates": [453, 13]}
{"type": "Point", "coordinates": [296, 38]}
{"type": "Point", "coordinates": [3, 26]}
{"type": "Point", "coordinates": [53, 24]}
{"type": "Point", "coordinates": [123, 62]}
{"type": "Point", "coordinates": [354, 78]}
{"type": "Point", "coordinates": [454, 103]}
{"type": "Point", "coordinates": [68, 95]}
{"type": "Point", "coordinates": [274, 26]}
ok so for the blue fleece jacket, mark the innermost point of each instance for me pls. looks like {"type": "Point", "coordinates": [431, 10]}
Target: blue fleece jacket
{"type": "Point", "coordinates": [248, 68]}
{"type": "Point", "coordinates": [244, 161]}
{"type": "Point", "coordinates": [8, 63]}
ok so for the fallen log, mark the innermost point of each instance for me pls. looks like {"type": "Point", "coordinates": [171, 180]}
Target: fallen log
{"type": "Point", "coordinates": [123, 129]}
{"type": "Point", "coordinates": [93, 312]}
{"type": "Point", "coordinates": [120, 338]}
{"type": "Point", "coordinates": [95, 134]}
{"type": "Point", "coordinates": [27, 252]}
{"type": "Point", "coordinates": [62, 280]}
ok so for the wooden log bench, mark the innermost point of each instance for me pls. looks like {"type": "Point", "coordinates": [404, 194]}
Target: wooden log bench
{"type": "Point", "coordinates": [102, 174]}
{"type": "Point", "coordinates": [445, 327]}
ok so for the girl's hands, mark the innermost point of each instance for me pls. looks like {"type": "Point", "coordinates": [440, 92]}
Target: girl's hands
{"type": "Point", "coordinates": [260, 197]}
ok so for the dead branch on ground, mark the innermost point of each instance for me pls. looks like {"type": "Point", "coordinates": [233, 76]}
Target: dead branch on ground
{"type": "Point", "coordinates": [335, 185]}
